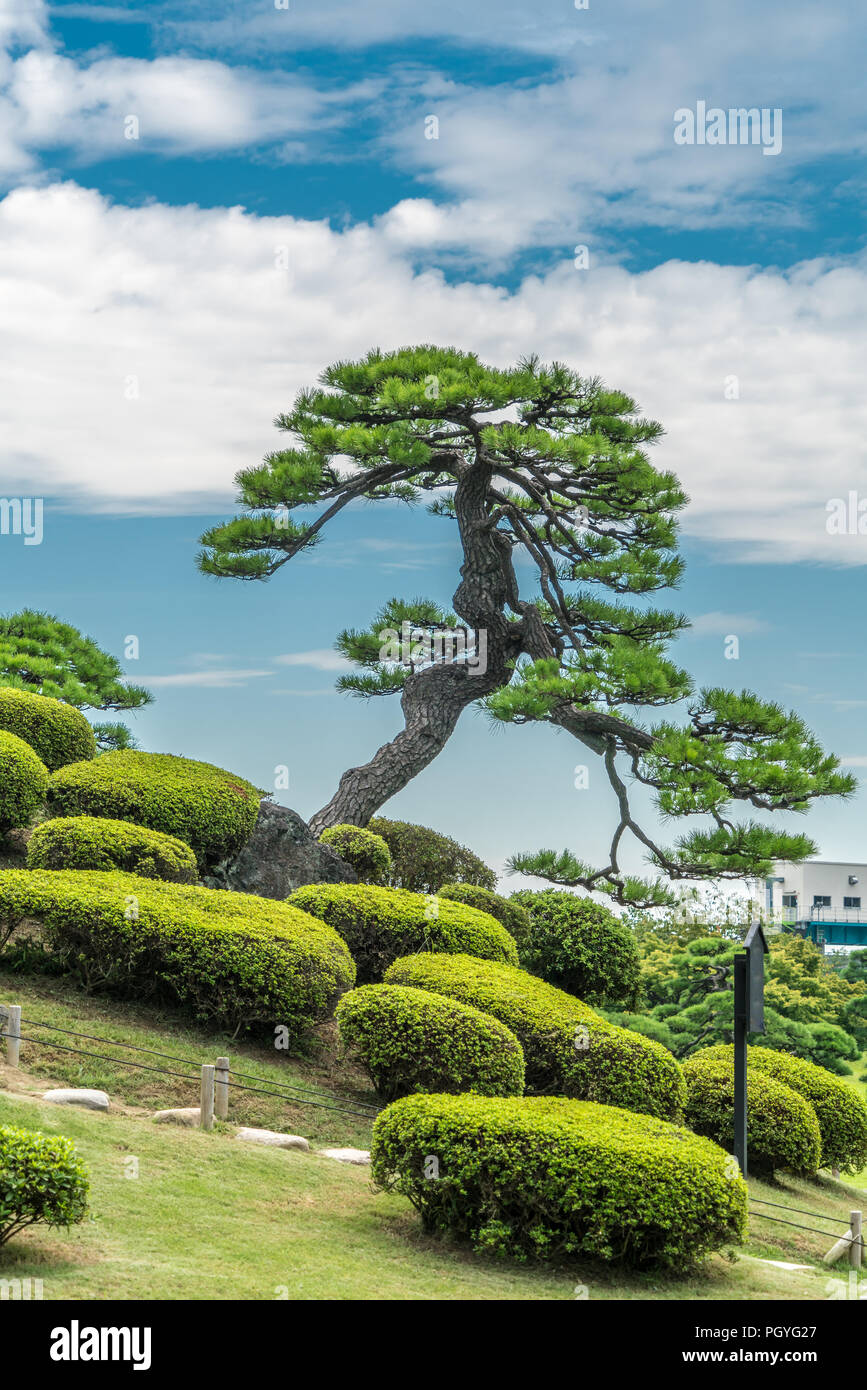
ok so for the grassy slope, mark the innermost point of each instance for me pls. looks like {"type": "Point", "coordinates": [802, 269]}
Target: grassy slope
{"type": "Point", "coordinates": [211, 1218]}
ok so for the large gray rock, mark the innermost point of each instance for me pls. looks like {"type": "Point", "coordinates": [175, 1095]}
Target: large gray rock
{"type": "Point", "coordinates": [91, 1100]}
{"type": "Point", "coordinates": [360, 1157]}
{"type": "Point", "coordinates": [189, 1115]}
{"type": "Point", "coordinates": [272, 1138]}
{"type": "Point", "coordinates": [280, 856]}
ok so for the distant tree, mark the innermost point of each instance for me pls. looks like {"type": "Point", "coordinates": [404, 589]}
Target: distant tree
{"type": "Point", "coordinates": [540, 462]}
{"type": "Point", "coordinates": [41, 654]}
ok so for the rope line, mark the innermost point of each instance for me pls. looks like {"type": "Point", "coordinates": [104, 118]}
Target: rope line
{"type": "Point", "coordinates": [850, 1240]}
{"type": "Point", "coordinates": [801, 1210]}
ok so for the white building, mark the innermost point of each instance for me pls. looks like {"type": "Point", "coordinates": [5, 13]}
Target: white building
{"type": "Point", "coordinates": [827, 900]}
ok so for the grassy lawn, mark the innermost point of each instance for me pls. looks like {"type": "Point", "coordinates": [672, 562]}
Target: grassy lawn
{"type": "Point", "coordinates": [211, 1218]}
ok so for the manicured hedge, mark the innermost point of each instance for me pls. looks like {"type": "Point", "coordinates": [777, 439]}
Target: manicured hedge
{"type": "Point", "coordinates": [42, 1180]}
{"type": "Point", "coordinates": [508, 912]}
{"type": "Point", "coordinates": [422, 860]}
{"type": "Point", "coordinates": [556, 1178]}
{"type": "Point", "coordinates": [841, 1113]}
{"type": "Point", "coordinates": [411, 1040]}
{"type": "Point", "coordinates": [59, 733]}
{"type": "Point", "coordinates": [238, 960]}
{"type": "Point", "coordinates": [368, 854]}
{"type": "Point", "coordinates": [89, 842]}
{"type": "Point", "coordinates": [381, 924]}
{"type": "Point", "coordinates": [569, 1049]}
{"type": "Point", "coordinates": [23, 782]}
{"type": "Point", "coordinates": [782, 1128]}
{"type": "Point", "coordinates": [581, 946]}
{"type": "Point", "coordinates": [211, 810]}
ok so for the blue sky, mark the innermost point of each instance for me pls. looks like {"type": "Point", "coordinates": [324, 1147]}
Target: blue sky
{"type": "Point", "coordinates": [280, 205]}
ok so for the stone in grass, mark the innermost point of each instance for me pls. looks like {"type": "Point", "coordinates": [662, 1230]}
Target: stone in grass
{"type": "Point", "coordinates": [359, 1156]}
{"type": "Point", "coordinates": [273, 1138]}
{"type": "Point", "coordinates": [91, 1100]}
{"type": "Point", "coordinates": [189, 1116]}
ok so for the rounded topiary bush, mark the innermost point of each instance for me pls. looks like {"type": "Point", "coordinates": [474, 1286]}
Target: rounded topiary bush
{"type": "Point", "coordinates": [211, 810]}
{"type": "Point", "coordinates": [23, 782]}
{"type": "Point", "coordinates": [89, 842]}
{"type": "Point", "coordinates": [508, 912]}
{"type": "Point", "coordinates": [42, 1180]}
{"type": "Point", "coordinates": [59, 733]}
{"type": "Point", "coordinates": [411, 1040]}
{"type": "Point", "coordinates": [569, 1050]}
{"type": "Point", "coordinates": [782, 1128]}
{"type": "Point", "coordinates": [580, 946]}
{"type": "Point", "coordinates": [555, 1178]}
{"type": "Point", "coordinates": [381, 924]}
{"type": "Point", "coordinates": [366, 853]}
{"type": "Point", "coordinates": [841, 1113]}
{"type": "Point", "coordinates": [422, 860]}
{"type": "Point", "coordinates": [241, 962]}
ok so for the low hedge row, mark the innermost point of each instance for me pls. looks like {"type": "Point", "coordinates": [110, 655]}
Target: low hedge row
{"type": "Point", "coordinates": [782, 1129]}
{"type": "Point", "coordinates": [411, 1040]}
{"type": "Point", "coordinates": [556, 1178]}
{"type": "Point", "coordinates": [58, 733]}
{"type": "Point", "coordinates": [23, 782]}
{"type": "Point", "coordinates": [42, 1180]}
{"type": "Point", "coordinates": [381, 924]}
{"type": "Point", "coordinates": [240, 961]}
{"type": "Point", "coordinates": [841, 1113]}
{"type": "Point", "coordinates": [208, 808]}
{"type": "Point", "coordinates": [89, 842]}
{"type": "Point", "coordinates": [569, 1049]}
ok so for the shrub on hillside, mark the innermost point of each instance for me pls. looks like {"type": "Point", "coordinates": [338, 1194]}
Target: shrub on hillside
{"type": "Point", "coordinates": [422, 860]}
{"type": "Point", "coordinates": [89, 842]}
{"type": "Point", "coordinates": [236, 960]}
{"type": "Point", "coordinates": [59, 733]}
{"type": "Point", "coordinates": [782, 1128]}
{"type": "Point", "coordinates": [580, 945]}
{"type": "Point", "coordinates": [211, 810]}
{"type": "Point", "coordinates": [569, 1049]}
{"type": "Point", "coordinates": [381, 924]}
{"type": "Point", "coordinates": [368, 854]}
{"type": "Point", "coordinates": [23, 782]}
{"type": "Point", "coordinates": [42, 1180]}
{"type": "Point", "coordinates": [508, 912]}
{"type": "Point", "coordinates": [411, 1040]}
{"type": "Point", "coordinates": [841, 1113]}
{"type": "Point", "coordinates": [556, 1178]}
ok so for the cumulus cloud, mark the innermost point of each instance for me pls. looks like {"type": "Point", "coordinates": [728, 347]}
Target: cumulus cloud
{"type": "Point", "coordinates": [320, 659]}
{"type": "Point", "coordinates": [146, 351]}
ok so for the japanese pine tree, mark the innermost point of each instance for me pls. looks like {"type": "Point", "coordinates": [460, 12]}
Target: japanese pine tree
{"type": "Point", "coordinates": [41, 654]}
{"type": "Point", "coordinates": [539, 460]}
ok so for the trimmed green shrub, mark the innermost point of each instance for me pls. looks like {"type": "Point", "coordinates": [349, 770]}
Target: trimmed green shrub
{"type": "Point", "coordinates": [422, 860]}
{"type": "Point", "coordinates": [556, 1178]}
{"type": "Point", "coordinates": [508, 912]}
{"type": "Point", "coordinates": [211, 810]}
{"type": "Point", "coordinates": [580, 946]}
{"type": "Point", "coordinates": [841, 1113]}
{"type": "Point", "coordinates": [59, 733]}
{"type": "Point", "coordinates": [411, 1040]}
{"type": "Point", "coordinates": [569, 1050]}
{"type": "Point", "coordinates": [89, 842]}
{"type": "Point", "coordinates": [240, 961]}
{"type": "Point", "coordinates": [782, 1129]}
{"type": "Point", "coordinates": [42, 1179]}
{"type": "Point", "coordinates": [366, 853]}
{"type": "Point", "coordinates": [381, 924]}
{"type": "Point", "coordinates": [23, 782]}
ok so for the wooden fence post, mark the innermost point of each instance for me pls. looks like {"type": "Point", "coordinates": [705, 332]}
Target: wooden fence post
{"type": "Point", "coordinates": [10, 1029]}
{"type": "Point", "coordinates": [857, 1245]}
{"type": "Point", "coordinates": [207, 1101]}
{"type": "Point", "coordinates": [221, 1089]}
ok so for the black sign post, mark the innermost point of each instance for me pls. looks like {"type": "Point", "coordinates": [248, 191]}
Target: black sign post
{"type": "Point", "coordinates": [749, 1018]}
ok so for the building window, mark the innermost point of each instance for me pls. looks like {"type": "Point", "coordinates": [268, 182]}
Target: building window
{"type": "Point", "coordinates": [820, 900]}
{"type": "Point", "coordinates": [790, 900]}
{"type": "Point", "coordinates": [851, 902]}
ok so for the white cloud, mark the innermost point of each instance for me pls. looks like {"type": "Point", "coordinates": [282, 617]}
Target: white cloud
{"type": "Point", "coordinates": [721, 624]}
{"type": "Point", "coordinates": [216, 680]}
{"type": "Point", "coordinates": [146, 351]}
{"type": "Point", "coordinates": [853, 759]}
{"type": "Point", "coordinates": [320, 659]}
